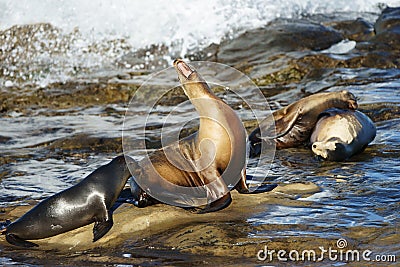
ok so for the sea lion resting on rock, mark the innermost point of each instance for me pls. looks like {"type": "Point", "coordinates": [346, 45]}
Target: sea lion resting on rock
{"type": "Point", "coordinates": [198, 170]}
{"type": "Point", "coordinates": [340, 134]}
{"type": "Point", "coordinates": [87, 202]}
{"type": "Point", "coordinates": [295, 122]}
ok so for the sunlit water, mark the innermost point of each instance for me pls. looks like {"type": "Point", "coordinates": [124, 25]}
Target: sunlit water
{"type": "Point", "coordinates": [95, 46]}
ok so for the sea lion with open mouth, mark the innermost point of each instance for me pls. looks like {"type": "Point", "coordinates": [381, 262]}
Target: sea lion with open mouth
{"type": "Point", "coordinates": [295, 122]}
{"type": "Point", "coordinates": [340, 134]}
{"type": "Point", "coordinates": [87, 202]}
{"type": "Point", "coordinates": [199, 170]}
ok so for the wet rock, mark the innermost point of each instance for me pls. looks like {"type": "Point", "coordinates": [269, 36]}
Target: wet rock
{"type": "Point", "coordinates": [4, 139]}
{"type": "Point", "coordinates": [149, 58]}
{"type": "Point", "coordinates": [130, 221]}
{"type": "Point", "coordinates": [263, 47]}
{"type": "Point", "coordinates": [85, 142]}
{"type": "Point", "coordinates": [38, 56]}
{"type": "Point", "coordinates": [278, 36]}
{"type": "Point", "coordinates": [64, 96]}
{"type": "Point", "coordinates": [381, 111]}
{"type": "Point", "coordinates": [22, 41]}
{"type": "Point", "coordinates": [306, 188]}
{"type": "Point", "coordinates": [293, 73]}
{"type": "Point", "coordinates": [389, 20]}
{"type": "Point", "coordinates": [358, 30]}
{"type": "Point", "coordinates": [370, 59]}
{"type": "Point", "coordinates": [387, 33]}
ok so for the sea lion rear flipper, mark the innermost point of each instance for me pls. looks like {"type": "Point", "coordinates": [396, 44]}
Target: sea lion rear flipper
{"type": "Point", "coordinates": [260, 189]}
{"type": "Point", "coordinates": [263, 188]}
{"type": "Point", "coordinates": [243, 188]}
{"type": "Point", "coordinates": [217, 205]}
{"type": "Point", "coordinates": [101, 228]}
{"type": "Point", "coordinates": [15, 240]}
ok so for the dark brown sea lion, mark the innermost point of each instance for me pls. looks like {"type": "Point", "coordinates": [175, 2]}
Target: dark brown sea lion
{"type": "Point", "coordinates": [87, 202]}
{"type": "Point", "coordinates": [295, 122]}
{"type": "Point", "coordinates": [340, 134]}
{"type": "Point", "coordinates": [199, 170]}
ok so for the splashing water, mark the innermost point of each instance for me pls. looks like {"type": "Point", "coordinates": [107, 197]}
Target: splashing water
{"type": "Point", "coordinates": [79, 37]}
{"type": "Point", "coordinates": [154, 22]}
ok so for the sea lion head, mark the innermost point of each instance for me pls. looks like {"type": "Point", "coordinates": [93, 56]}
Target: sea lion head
{"type": "Point", "coordinates": [185, 72]}
{"type": "Point", "coordinates": [193, 83]}
{"type": "Point", "coordinates": [349, 99]}
{"type": "Point", "coordinates": [332, 149]}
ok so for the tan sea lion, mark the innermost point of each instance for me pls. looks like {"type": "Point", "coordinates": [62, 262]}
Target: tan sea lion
{"type": "Point", "coordinates": [200, 169]}
{"type": "Point", "coordinates": [295, 122]}
{"type": "Point", "coordinates": [87, 202]}
{"type": "Point", "coordinates": [340, 134]}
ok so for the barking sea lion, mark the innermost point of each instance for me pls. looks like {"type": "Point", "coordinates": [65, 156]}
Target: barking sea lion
{"type": "Point", "coordinates": [201, 169]}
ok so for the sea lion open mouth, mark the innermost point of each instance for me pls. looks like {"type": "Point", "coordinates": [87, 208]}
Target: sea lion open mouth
{"type": "Point", "coordinates": [183, 68]}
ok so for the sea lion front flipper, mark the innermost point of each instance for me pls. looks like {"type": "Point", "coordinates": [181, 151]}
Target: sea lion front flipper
{"type": "Point", "coordinates": [15, 240]}
{"type": "Point", "coordinates": [287, 123]}
{"type": "Point", "coordinates": [101, 228]}
{"type": "Point", "coordinates": [217, 205]}
{"type": "Point", "coordinates": [283, 126]}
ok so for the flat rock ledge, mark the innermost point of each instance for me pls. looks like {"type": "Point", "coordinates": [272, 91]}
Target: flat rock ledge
{"type": "Point", "coordinates": [135, 223]}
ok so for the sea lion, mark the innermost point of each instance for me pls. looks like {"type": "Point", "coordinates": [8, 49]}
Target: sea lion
{"type": "Point", "coordinates": [199, 170]}
{"type": "Point", "coordinates": [295, 122]}
{"type": "Point", "coordinates": [340, 134]}
{"type": "Point", "coordinates": [82, 204]}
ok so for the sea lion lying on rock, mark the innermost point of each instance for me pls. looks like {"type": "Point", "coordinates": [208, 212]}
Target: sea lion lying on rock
{"type": "Point", "coordinates": [87, 202]}
{"type": "Point", "coordinates": [340, 134]}
{"type": "Point", "coordinates": [295, 122]}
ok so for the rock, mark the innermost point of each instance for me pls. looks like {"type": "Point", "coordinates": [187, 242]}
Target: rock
{"type": "Point", "coordinates": [131, 222]}
{"type": "Point", "coordinates": [358, 30]}
{"type": "Point", "coordinates": [278, 36]}
{"type": "Point", "coordinates": [388, 21]}
{"type": "Point", "coordinates": [387, 33]}
{"type": "Point", "coordinates": [4, 139]}
{"type": "Point", "coordinates": [305, 188]}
